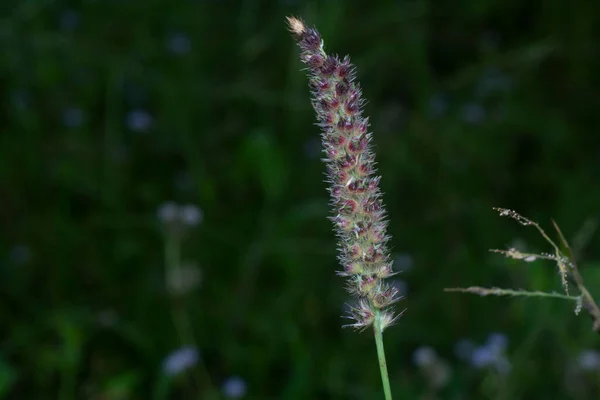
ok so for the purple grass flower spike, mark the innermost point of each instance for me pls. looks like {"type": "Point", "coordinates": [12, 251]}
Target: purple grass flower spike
{"type": "Point", "coordinates": [358, 212]}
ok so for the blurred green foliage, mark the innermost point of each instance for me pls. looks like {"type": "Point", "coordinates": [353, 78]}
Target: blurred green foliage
{"type": "Point", "coordinates": [113, 108]}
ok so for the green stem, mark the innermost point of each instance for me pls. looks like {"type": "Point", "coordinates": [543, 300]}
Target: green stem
{"type": "Point", "coordinates": [180, 319]}
{"type": "Point", "coordinates": [385, 380]}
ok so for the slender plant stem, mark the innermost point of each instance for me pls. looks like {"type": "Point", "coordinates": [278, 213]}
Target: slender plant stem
{"type": "Point", "coordinates": [385, 380]}
{"type": "Point", "coordinates": [180, 319]}
{"type": "Point", "coordinates": [494, 291]}
{"type": "Point", "coordinates": [588, 300]}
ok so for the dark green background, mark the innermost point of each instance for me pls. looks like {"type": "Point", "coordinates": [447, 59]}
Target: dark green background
{"type": "Point", "coordinates": [232, 132]}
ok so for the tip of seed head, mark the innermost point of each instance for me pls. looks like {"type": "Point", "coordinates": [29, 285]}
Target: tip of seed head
{"type": "Point", "coordinates": [295, 25]}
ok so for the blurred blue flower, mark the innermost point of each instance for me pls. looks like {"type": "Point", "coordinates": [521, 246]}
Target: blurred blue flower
{"type": "Point", "coordinates": [168, 212]}
{"type": "Point", "coordinates": [234, 387]}
{"type": "Point", "coordinates": [438, 105]}
{"type": "Point", "coordinates": [20, 254]}
{"type": "Point", "coordinates": [73, 117]}
{"type": "Point", "coordinates": [179, 43]}
{"type": "Point", "coordinates": [491, 354]}
{"type": "Point", "coordinates": [182, 280]}
{"type": "Point", "coordinates": [69, 20]}
{"type": "Point", "coordinates": [180, 360]}
{"type": "Point", "coordinates": [497, 341]}
{"type": "Point", "coordinates": [190, 215]}
{"type": "Point", "coordinates": [589, 360]}
{"type": "Point", "coordinates": [424, 356]}
{"type": "Point", "coordinates": [464, 349]}
{"type": "Point", "coordinates": [473, 113]}
{"type": "Point", "coordinates": [139, 120]}
{"type": "Point", "coordinates": [483, 357]}
{"type": "Point", "coordinates": [436, 369]}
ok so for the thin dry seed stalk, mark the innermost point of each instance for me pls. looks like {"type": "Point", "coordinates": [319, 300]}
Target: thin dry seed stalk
{"type": "Point", "coordinates": [494, 291]}
{"type": "Point", "coordinates": [561, 261]}
{"type": "Point", "coordinates": [567, 267]}
{"type": "Point", "coordinates": [359, 216]}
{"type": "Point", "coordinates": [588, 302]}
